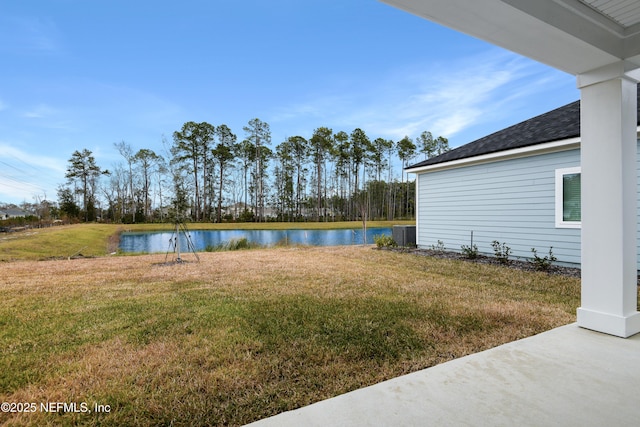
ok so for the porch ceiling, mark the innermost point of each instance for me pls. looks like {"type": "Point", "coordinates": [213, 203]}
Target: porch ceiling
{"type": "Point", "coordinates": [625, 13]}
{"type": "Point", "coordinates": [576, 36]}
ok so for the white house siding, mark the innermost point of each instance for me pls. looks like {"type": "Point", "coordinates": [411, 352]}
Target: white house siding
{"type": "Point", "coordinates": [511, 201]}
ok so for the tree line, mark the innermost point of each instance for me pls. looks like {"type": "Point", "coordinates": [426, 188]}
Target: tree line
{"type": "Point", "coordinates": [206, 173]}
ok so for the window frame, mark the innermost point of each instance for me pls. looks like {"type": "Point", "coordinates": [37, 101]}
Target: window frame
{"type": "Point", "coordinates": [560, 173]}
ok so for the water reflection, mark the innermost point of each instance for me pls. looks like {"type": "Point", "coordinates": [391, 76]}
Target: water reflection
{"type": "Point", "coordinates": [201, 239]}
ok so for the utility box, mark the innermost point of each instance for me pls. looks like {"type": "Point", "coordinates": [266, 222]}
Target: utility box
{"type": "Point", "coordinates": [404, 235]}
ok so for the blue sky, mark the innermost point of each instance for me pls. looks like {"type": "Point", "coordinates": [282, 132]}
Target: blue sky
{"type": "Point", "coordinates": [78, 74]}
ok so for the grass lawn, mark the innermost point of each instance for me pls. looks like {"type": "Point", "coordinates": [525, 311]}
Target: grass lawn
{"type": "Point", "coordinates": [244, 335]}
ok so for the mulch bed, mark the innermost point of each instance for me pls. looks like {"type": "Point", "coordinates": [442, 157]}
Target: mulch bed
{"type": "Point", "coordinates": [482, 259]}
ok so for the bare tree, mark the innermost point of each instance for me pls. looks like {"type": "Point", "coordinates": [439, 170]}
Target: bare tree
{"type": "Point", "coordinates": [148, 161]}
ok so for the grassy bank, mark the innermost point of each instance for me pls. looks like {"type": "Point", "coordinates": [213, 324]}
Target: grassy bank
{"type": "Point", "coordinates": [59, 242]}
{"type": "Point", "coordinates": [245, 335]}
{"type": "Point", "coordinates": [102, 239]}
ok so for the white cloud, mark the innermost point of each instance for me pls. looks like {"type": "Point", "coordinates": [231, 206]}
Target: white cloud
{"type": "Point", "coordinates": [24, 174]}
{"type": "Point", "coordinates": [31, 159]}
{"type": "Point", "coordinates": [449, 99]}
{"type": "Point", "coordinates": [16, 192]}
{"type": "Point", "coordinates": [28, 35]}
{"type": "Point", "coordinates": [40, 112]}
{"type": "Point", "coordinates": [47, 117]}
{"type": "Point", "coordinates": [445, 98]}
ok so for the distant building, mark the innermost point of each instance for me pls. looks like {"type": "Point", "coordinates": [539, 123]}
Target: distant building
{"type": "Point", "coordinates": [13, 213]}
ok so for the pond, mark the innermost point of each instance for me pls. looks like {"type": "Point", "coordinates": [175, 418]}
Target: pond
{"type": "Point", "coordinates": [149, 242]}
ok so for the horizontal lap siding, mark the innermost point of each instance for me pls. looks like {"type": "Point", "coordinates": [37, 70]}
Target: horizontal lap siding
{"type": "Point", "coordinates": [511, 201]}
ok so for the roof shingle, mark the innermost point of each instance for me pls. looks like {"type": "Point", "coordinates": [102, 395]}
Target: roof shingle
{"type": "Point", "coordinates": [561, 123]}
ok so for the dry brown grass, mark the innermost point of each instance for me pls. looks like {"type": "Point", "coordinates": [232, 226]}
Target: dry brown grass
{"type": "Point", "coordinates": [244, 335]}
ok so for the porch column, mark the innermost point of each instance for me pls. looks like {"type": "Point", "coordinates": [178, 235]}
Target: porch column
{"type": "Point", "coordinates": [609, 222]}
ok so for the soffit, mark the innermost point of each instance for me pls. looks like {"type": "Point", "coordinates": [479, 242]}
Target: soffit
{"type": "Point", "coordinates": [575, 36]}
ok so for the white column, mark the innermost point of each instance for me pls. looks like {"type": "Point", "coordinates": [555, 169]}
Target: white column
{"type": "Point", "coordinates": [609, 194]}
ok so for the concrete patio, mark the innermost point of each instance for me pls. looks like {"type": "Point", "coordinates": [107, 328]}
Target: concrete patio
{"type": "Point", "coordinates": [568, 376]}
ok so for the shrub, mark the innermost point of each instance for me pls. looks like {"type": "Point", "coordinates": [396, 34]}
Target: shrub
{"type": "Point", "coordinates": [543, 263]}
{"type": "Point", "coordinates": [439, 247]}
{"type": "Point", "coordinates": [246, 216]}
{"type": "Point", "coordinates": [238, 244]}
{"type": "Point", "coordinates": [233, 245]}
{"type": "Point", "coordinates": [470, 252]}
{"type": "Point", "coordinates": [502, 251]}
{"type": "Point", "coordinates": [383, 241]}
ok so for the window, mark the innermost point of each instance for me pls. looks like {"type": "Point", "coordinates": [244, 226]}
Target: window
{"type": "Point", "coordinates": [568, 213]}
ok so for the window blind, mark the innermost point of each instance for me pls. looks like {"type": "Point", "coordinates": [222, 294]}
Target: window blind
{"type": "Point", "coordinates": [571, 197]}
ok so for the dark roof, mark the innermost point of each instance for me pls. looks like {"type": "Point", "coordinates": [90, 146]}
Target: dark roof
{"type": "Point", "coordinates": [14, 212]}
{"type": "Point", "coordinates": [561, 123]}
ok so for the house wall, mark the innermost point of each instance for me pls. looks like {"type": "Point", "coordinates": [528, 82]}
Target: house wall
{"type": "Point", "coordinates": [511, 201]}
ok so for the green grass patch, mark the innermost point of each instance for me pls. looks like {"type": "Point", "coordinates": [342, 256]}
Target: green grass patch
{"type": "Point", "coordinates": [360, 328]}
{"type": "Point", "coordinates": [59, 242]}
